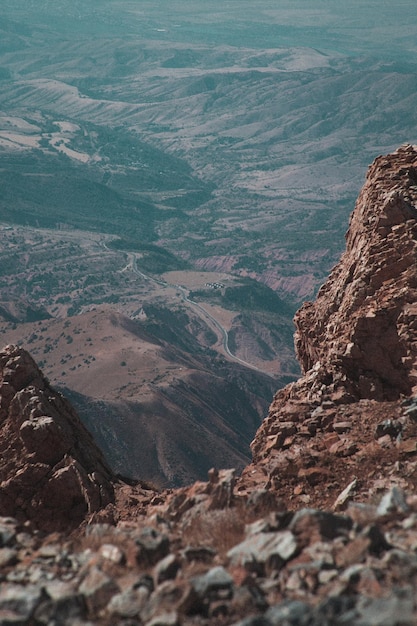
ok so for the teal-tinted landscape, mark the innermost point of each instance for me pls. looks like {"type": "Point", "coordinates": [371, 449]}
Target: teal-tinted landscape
{"type": "Point", "coordinates": [191, 167]}
{"type": "Point", "coordinates": [221, 130]}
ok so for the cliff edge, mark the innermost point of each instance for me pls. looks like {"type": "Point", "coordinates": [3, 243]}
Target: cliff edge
{"type": "Point", "coordinates": [361, 331]}
{"type": "Point", "coordinates": [350, 420]}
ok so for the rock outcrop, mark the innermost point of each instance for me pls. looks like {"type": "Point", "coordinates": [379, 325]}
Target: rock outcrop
{"type": "Point", "coordinates": [350, 418]}
{"type": "Point", "coordinates": [361, 331]}
{"type": "Point", "coordinates": [51, 472]}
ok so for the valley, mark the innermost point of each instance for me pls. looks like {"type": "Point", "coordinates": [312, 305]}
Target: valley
{"type": "Point", "coordinates": [143, 364]}
{"type": "Point", "coordinates": [150, 152]}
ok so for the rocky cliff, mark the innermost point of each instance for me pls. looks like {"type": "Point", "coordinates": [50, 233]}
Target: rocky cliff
{"type": "Point", "coordinates": [51, 472]}
{"type": "Point", "coordinates": [361, 331]}
{"type": "Point", "coordinates": [350, 418]}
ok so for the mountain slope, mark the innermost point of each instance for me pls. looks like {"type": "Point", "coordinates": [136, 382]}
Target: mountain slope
{"type": "Point", "coordinates": [161, 407]}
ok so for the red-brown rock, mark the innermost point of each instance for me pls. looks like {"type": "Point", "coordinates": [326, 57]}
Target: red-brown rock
{"type": "Point", "coordinates": [362, 327]}
{"type": "Point", "coordinates": [51, 472]}
{"type": "Point", "coordinates": [357, 346]}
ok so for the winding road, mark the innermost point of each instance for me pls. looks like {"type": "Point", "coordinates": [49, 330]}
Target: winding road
{"type": "Point", "coordinates": [200, 310]}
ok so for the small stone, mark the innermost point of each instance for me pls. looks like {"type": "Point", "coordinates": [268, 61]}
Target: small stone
{"type": "Point", "coordinates": [289, 612]}
{"type": "Point", "coordinates": [392, 502]}
{"type": "Point", "coordinates": [409, 522]}
{"type": "Point", "coordinates": [145, 581]}
{"type": "Point", "coordinates": [167, 597]}
{"type": "Point", "coordinates": [344, 447]}
{"type": "Point", "coordinates": [129, 603]}
{"type": "Point", "coordinates": [261, 500]}
{"type": "Point", "coordinates": [49, 551]}
{"type": "Point", "coordinates": [388, 427]}
{"type": "Point", "coordinates": [221, 485]}
{"type": "Point", "coordinates": [190, 602]}
{"type": "Point", "coordinates": [345, 495]}
{"type": "Point", "coordinates": [7, 531]}
{"type": "Point", "coordinates": [314, 475]}
{"type": "Point", "coordinates": [268, 524]}
{"type": "Point", "coordinates": [248, 599]}
{"type": "Point", "coordinates": [322, 553]}
{"type": "Point", "coordinates": [165, 619]}
{"type": "Point", "coordinates": [330, 439]}
{"type": "Point", "coordinates": [216, 584]}
{"type": "Point", "coordinates": [21, 600]}
{"type": "Point", "coordinates": [112, 553]}
{"type": "Point", "coordinates": [219, 610]}
{"type": "Point", "coordinates": [392, 611]}
{"type": "Point", "coordinates": [25, 540]}
{"type": "Point", "coordinates": [404, 562]}
{"type": "Point", "coordinates": [166, 569]}
{"type": "Point", "coordinates": [353, 552]}
{"type": "Point", "coordinates": [368, 584]}
{"type": "Point", "coordinates": [97, 588]}
{"type": "Point", "coordinates": [8, 556]}
{"type": "Point", "coordinates": [342, 427]}
{"type": "Point", "coordinates": [311, 524]}
{"type": "Point", "coordinates": [411, 411]}
{"type": "Point", "coordinates": [408, 446]}
{"type": "Point", "coordinates": [326, 575]}
{"type": "Point", "coordinates": [361, 513]}
{"type": "Point", "coordinates": [352, 573]}
{"type": "Point", "coordinates": [385, 441]}
{"type": "Point", "coordinates": [99, 530]}
{"type": "Point", "coordinates": [202, 553]}
{"type": "Point", "coordinates": [153, 546]}
{"type": "Point", "coordinates": [63, 605]}
{"type": "Point", "coordinates": [294, 581]}
{"type": "Point", "coordinates": [264, 549]}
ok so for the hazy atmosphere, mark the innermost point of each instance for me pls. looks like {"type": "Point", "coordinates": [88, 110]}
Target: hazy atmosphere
{"type": "Point", "coordinates": [176, 178]}
{"type": "Point", "coordinates": [208, 312]}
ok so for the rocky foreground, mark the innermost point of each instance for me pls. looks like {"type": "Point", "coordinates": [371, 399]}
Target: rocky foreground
{"type": "Point", "coordinates": [321, 528]}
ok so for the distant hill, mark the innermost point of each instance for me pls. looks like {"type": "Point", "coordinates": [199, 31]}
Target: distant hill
{"type": "Point", "coordinates": [163, 412]}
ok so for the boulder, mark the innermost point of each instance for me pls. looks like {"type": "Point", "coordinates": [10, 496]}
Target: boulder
{"type": "Point", "coordinates": [51, 472]}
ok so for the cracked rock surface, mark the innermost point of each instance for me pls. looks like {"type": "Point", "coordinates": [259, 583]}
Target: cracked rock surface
{"type": "Point", "coordinates": [51, 472]}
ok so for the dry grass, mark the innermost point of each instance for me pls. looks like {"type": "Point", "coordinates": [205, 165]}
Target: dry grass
{"type": "Point", "coordinates": [219, 529]}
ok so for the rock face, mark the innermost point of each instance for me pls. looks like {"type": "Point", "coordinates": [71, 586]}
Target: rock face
{"type": "Point", "coordinates": [350, 419]}
{"type": "Point", "coordinates": [51, 472]}
{"type": "Point", "coordinates": [361, 331]}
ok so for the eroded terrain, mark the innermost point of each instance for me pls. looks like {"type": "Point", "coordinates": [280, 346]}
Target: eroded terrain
{"type": "Point", "coordinates": [135, 349]}
{"type": "Point", "coordinates": [174, 182]}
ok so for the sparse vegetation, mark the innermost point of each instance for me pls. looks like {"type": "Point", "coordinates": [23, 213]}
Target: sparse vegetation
{"type": "Point", "coordinates": [199, 145]}
{"type": "Point", "coordinates": [153, 259]}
